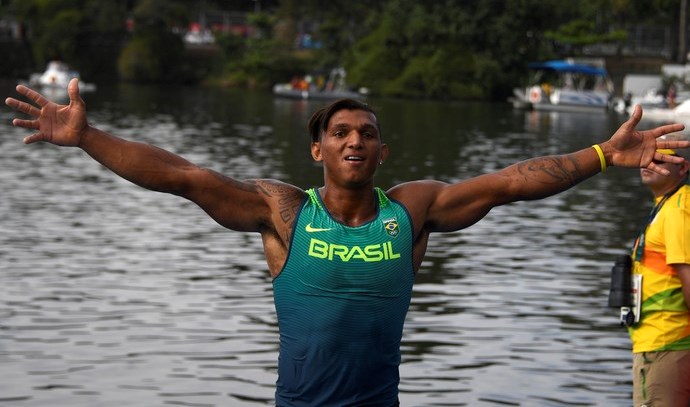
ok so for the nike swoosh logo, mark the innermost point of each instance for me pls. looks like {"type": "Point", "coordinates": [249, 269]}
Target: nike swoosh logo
{"type": "Point", "coordinates": [311, 229]}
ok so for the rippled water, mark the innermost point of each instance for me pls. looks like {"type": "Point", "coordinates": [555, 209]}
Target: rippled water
{"type": "Point", "coordinates": [111, 295]}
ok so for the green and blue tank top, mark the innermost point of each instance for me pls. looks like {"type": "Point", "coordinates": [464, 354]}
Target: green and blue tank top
{"type": "Point", "coordinates": [341, 301]}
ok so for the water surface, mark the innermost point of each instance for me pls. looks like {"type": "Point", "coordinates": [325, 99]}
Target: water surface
{"type": "Point", "coordinates": [111, 295]}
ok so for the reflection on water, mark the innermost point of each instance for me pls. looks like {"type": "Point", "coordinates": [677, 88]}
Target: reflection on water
{"type": "Point", "coordinates": [111, 295]}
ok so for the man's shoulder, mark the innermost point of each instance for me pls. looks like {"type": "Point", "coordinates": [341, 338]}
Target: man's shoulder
{"type": "Point", "coordinates": [682, 197]}
{"type": "Point", "coordinates": [281, 197]}
{"type": "Point", "coordinates": [278, 189]}
{"type": "Point", "coordinates": [414, 191]}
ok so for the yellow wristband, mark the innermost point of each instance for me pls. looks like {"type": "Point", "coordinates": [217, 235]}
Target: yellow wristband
{"type": "Point", "coordinates": [602, 159]}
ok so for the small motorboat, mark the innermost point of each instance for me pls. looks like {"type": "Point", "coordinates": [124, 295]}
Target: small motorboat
{"type": "Point", "coordinates": [333, 87]}
{"type": "Point", "coordinates": [288, 91]}
{"type": "Point", "coordinates": [680, 113]}
{"type": "Point", "coordinates": [56, 78]}
{"type": "Point", "coordinates": [566, 85]}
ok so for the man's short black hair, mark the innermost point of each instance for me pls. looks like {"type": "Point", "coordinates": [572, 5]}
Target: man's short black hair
{"type": "Point", "coordinates": [319, 120]}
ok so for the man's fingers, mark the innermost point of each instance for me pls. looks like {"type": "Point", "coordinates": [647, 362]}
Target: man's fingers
{"type": "Point", "coordinates": [668, 158]}
{"type": "Point", "coordinates": [32, 95]}
{"type": "Point", "coordinates": [666, 129]}
{"type": "Point", "coordinates": [13, 103]}
{"type": "Point", "coordinates": [73, 89]}
{"type": "Point", "coordinates": [670, 143]}
{"type": "Point", "coordinates": [27, 124]}
{"type": "Point", "coordinates": [23, 107]}
{"type": "Point", "coordinates": [658, 169]}
{"type": "Point", "coordinates": [36, 137]}
{"type": "Point", "coordinates": [635, 116]}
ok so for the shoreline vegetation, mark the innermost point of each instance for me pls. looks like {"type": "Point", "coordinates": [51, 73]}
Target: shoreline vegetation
{"type": "Point", "coordinates": [400, 48]}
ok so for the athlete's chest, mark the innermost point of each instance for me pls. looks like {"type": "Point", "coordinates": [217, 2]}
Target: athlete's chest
{"type": "Point", "coordinates": [371, 258]}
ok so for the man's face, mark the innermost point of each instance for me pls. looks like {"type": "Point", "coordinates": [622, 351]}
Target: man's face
{"type": "Point", "coordinates": [350, 148]}
{"type": "Point", "coordinates": [660, 184]}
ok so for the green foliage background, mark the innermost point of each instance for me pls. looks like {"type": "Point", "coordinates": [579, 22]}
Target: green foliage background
{"type": "Point", "coordinates": [445, 49]}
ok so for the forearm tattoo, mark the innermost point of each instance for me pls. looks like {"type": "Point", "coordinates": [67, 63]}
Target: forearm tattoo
{"type": "Point", "coordinates": [552, 170]}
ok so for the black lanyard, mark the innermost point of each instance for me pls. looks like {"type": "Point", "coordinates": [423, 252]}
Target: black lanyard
{"type": "Point", "coordinates": [639, 243]}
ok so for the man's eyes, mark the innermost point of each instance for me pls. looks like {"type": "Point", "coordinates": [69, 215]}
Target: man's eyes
{"type": "Point", "coordinates": [366, 133]}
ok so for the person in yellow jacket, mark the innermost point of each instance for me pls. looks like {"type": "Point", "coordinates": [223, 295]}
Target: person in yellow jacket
{"type": "Point", "coordinates": [661, 266]}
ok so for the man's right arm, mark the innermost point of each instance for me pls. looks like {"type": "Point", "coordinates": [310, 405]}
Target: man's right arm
{"type": "Point", "coordinates": [236, 205]}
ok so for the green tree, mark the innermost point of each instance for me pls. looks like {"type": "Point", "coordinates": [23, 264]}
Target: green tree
{"type": "Point", "coordinates": [440, 49]}
{"type": "Point", "coordinates": [86, 34]}
{"type": "Point", "coordinates": [422, 50]}
{"type": "Point", "coordinates": [156, 52]}
{"type": "Point", "coordinates": [337, 24]}
{"type": "Point", "coordinates": [512, 34]}
{"type": "Point", "coordinates": [263, 59]}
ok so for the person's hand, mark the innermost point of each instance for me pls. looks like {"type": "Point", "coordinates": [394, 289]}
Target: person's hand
{"type": "Point", "coordinates": [629, 147]}
{"type": "Point", "coordinates": [62, 125]}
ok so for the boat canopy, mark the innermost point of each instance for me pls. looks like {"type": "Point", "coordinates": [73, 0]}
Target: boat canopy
{"type": "Point", "coordinates": [565, 66]}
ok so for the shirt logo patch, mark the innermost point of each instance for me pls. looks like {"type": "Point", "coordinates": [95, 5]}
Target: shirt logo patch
{"type": "Point", "coordinates": [311, 229]}
{"type": "Point", "coordinates": [391, 227]}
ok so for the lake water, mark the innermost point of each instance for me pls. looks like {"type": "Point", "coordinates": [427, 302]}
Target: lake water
{"type": "Point", "coordinates": [111, 295]}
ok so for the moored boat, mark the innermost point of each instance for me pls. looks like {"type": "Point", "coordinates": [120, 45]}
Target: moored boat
{"type": "Point", "coordinates": [286, 90]}
{"type": "Point", "coordinates": [56, 77]}
{"type": "Point", "coordinates": [566, 85]}
{"type": "Point", "coordinates": [680, 113]}
{"type": "Point", "coordinates": [319, 87]}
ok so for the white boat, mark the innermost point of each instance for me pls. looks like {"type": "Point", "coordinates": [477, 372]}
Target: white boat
{"type": "Point", "coordinates": [56, 77]}
{"type": "Point", "coordinates": [309, 87]}
{"type": "Point", "coordinates": [566, 85]}
{"type": "Point", "coordinates": [288, 91]}
{"type": "Point", "coordinates": [680, 113]}
{"type": "Point", "coordinates": [649, 92]}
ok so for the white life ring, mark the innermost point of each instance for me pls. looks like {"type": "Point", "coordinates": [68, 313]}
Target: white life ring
{"type": "Point", "coordinates": [535, 94]}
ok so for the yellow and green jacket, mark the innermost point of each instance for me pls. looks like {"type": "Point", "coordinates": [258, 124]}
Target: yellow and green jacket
{"type": "Point", "coordinates": [664, 318]}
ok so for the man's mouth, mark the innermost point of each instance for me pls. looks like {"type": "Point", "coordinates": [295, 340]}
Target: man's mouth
{"type": "Point", "coordinates": [353, 158]}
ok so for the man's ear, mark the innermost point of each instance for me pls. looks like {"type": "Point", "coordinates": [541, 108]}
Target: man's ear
{"type": "Point", "coordinates": [384, 153]}
{"type": "Point", "coordinates": [316, 151]}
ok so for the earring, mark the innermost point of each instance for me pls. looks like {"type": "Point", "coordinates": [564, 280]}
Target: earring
{"type": "Point", "coordinates": [381, 162]}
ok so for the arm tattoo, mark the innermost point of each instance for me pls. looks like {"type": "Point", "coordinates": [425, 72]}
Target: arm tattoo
{"type": "Point", "coordinates": [288, 201]}
{"type": "Point", "coordinates": [559, 170]}
{"type": "Point", "coordinates": [269, 189]}
{"type": "Point", "coordinates": [289, 205]}
{"type": "Point", "coordinates": [250, 186]}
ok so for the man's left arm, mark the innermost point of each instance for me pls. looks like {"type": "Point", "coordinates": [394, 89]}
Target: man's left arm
{"type": "Point", "coordinates": [456, 206]}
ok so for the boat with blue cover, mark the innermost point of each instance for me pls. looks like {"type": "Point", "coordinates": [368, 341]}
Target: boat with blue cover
{"type": "Point", "coordinates": [566, 85]}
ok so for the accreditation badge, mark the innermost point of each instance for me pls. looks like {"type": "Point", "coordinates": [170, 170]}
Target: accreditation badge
{"type": "Point", "coordinates": [636, 293]}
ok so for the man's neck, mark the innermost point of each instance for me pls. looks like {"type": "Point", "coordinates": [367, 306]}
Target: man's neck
{"type": "Point", "coordinates": [350, 207]}
{"type": "Point", "coordinates": [661, 191]}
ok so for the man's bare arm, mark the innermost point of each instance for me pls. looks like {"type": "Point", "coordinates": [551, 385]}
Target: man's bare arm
{"type": "Point", "coordinates": [235, 204]}
{"type": "Point", "coordinates": [453, 207]}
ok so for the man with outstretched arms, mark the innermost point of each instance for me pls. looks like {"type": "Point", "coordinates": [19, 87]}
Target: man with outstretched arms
{"type": "Point", "coordinates": [342, 256]}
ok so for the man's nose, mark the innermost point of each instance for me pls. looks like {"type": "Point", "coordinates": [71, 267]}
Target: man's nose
{"type": "Point", "coordinates": [355, 139]}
